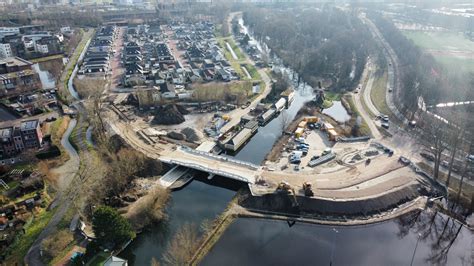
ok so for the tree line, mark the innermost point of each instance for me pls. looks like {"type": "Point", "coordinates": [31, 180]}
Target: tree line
{"type": "Point", "coordinates": [420, 73]}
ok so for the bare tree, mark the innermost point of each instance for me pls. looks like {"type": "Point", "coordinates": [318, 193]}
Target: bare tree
{"type": "Point", "coordinates": [435, 139]}
{"type": "Point", "coordinates": [456, 138]}
{"type": "Point", "coordinates": [464, 172]}
{"type": "Point", "coordinates": [182, 246]}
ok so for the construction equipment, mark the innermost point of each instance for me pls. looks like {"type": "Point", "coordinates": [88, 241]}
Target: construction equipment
{"type": "Point", "coordinates": [308, 191]}
{"type": "Point", "coordinates": [284, 187]}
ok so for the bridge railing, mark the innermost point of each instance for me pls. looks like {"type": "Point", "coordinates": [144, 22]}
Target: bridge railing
{"type": "Point", "coordinates": [220, 158]}
{"type": "Point", "coordinates": [210, 170]}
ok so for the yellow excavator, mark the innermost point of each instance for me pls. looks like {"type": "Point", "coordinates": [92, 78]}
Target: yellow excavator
{"type": "Point", "coordinates": [307, 188]}
{"type": "Point", "coordinates": [284, 187]}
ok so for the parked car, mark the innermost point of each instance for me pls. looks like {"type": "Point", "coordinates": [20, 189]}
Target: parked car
{"type": "Point", "coordinates": [385, 118]}
{"type": "Point", "coordinates": [326, 151]}
{"type": "Point", "coordinates": [404, 160]}
{"type": "Point", "coordinates": [315, 157]}
{"type": "Point", "coordinates": [470, 158]}
{"type": "Point", "coordinates": [385, 125]}
{"type": "Point", "coordinates": [427, 156]}
{"type": "Point", "coordinates": [297, 168]}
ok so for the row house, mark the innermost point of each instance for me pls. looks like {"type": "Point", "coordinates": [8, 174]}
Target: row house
{"type": "Point", "coordinates": [17, 138]}
{"type": "Point", "coordinates": [96, 62]}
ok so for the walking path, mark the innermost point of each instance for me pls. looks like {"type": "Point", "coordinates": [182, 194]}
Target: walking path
{"type": "Point", "coordinates": [67, 171]}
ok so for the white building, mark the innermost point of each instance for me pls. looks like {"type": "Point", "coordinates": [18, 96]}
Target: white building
{"type": "Point", "coordinates": [5, 50]}
{"type": "Point", "coordinates": [115, 261]}
{"type": "Point", "coordinates": [41, 48]}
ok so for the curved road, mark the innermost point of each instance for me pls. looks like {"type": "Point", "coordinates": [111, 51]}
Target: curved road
{"type": "Point", "coordinates": [67, 172]}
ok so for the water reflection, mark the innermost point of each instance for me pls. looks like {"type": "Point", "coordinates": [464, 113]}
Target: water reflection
{"type": "Point", "coordinates": [269, 242]}
{"type": "Point", "coordinates": [49, 72]}
{"type": "Point", "coordinates": [338, 112]}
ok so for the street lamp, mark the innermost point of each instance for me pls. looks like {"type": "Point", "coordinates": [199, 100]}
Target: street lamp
{"type": "Point", "coordinates": [414, 251]}
{"type": "Point", "coordinates": [333, 245]}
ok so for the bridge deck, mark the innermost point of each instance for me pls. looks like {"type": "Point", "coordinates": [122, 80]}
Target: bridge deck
{"type": "Point", "coordinates": [173, 175]}
{"type": "Point", "coordinates": [218, 165]}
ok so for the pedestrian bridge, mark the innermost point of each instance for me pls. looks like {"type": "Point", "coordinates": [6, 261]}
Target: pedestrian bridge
{"type": "Point", "coordinates": [213, 164]}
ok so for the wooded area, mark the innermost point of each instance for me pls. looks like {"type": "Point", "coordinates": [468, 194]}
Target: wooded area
{"type": "Point", "coordinates": [327, 43]}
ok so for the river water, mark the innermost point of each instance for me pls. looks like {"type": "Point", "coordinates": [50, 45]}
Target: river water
{"type": "Point", "coordinates": [270, 242]}
{"type": "Point", "coordinates": [265, 242]}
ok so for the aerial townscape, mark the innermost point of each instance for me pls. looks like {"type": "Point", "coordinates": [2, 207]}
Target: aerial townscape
{"type": "Point", "coordinates": [236, 132]}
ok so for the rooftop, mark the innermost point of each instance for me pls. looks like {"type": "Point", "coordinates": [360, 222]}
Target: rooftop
{"type": "Point", "coordinates": [15, 61]}
{"type": "Point", "coordinates": [29, 125]}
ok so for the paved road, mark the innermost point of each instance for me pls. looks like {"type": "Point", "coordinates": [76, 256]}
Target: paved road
{"type": "Point", "coordinates": [67, 173]}
{"type": "Point", "coordinates": [366, 89]}
{"type": "Point", "coordinates": [404, 137]}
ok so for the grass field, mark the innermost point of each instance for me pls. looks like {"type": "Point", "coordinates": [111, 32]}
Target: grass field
{"type": "Point", "coordinates": [378, 93]}
{"type": "Point", "coordinates": [451, 49]}
{"type": "Point", "coordinates": [215, 91]}
{"type": "Point", "coordinates": [457, 64]}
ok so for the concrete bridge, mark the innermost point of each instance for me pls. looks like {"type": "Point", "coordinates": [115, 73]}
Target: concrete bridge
{"type": "Point", "coordinates": [213, 164]}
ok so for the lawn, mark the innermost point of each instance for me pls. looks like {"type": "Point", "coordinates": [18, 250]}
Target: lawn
{"type": "Point", "coordinates": [440, 40]}
{"type": "Point", "coordinates": [456, 64]}
{"type": "Point", "coordinates": [252, 71]}
{"type": "Point", "coordinates": [20, 247]}
{"type": "Point", "coordinates": [47, 58]}
{"type": "Point", "coordinates": [215, 91]}
{"type": "Point", "coordinates": [452, 50]}
{"type": "Point", "coordinates": [99, 259]}
{"type": "Point", "coordinates": [379, 91]}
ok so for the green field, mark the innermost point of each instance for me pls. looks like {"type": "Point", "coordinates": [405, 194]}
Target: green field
{"type": "Point", "coordinates": [440, 40]}
{"type": "Point", "coordinates": [451, 49]}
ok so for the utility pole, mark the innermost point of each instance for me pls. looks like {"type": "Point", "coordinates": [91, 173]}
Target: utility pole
{"type": "Point", "coordinates": [333, 245]}
{"type": "Point", "coordinates": [414, 251]}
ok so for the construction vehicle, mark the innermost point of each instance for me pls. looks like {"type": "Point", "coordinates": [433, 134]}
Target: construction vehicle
{"type": "Point", "coordinates": [308, 191]}
{"type": "Point", "coordinates": [284, 187]}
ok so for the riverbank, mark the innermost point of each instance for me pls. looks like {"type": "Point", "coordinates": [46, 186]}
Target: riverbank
{"type": "Point", "coordinates": [235, 211]}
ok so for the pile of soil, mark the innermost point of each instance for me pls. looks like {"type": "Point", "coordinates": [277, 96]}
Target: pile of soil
{"type": "Point", "coordinates": [190, 134]}
{"type": "Point", "coordinates": [169, 115]}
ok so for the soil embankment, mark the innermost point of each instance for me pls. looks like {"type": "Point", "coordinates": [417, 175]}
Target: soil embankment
{"type": "Point", "coordinates": [298, 205]}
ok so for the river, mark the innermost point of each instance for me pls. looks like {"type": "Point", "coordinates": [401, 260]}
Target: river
{"type": "Point", "coordinates": [270, 242]}
{"type": "Point", "coordinates": [199, 201]}
{"type": "Point", "coordinates": [264, 242]}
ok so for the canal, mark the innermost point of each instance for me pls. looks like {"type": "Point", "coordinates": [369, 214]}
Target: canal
{"type": "Point", "coordinates": [441, 241]}
{"type": "Point", "coordinates": [268, 242]}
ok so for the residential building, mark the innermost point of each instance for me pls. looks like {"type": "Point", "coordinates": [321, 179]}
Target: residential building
{"type": "Point", "coordinates": [17, 76]}
{"type": "Point", "coordinates": [5, 50]}
{"type": "Point", "coordinates": [31, 134]}
{"type": "Point", "coordinates": [16, 138]}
